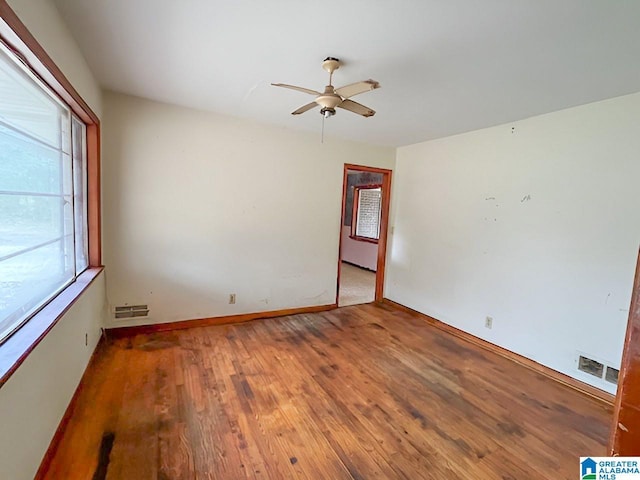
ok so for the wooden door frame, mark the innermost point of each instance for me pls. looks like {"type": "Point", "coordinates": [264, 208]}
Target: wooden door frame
{"type": "Point", "coordinates": [625, 429]}
{"type": "Point", "coordinates": [384, 225]}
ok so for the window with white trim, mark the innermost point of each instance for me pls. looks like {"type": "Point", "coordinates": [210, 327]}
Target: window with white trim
{"type": "Point", "coordinates": [367, 210]}
{"type": "Point", "coordinates": [43, 194]}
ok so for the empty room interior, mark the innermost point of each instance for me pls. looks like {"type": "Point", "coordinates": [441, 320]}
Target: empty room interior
{"type": "Point", "coordinates": [201, 277]}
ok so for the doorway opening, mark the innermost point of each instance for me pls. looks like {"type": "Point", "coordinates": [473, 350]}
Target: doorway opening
{"type": "Point", "coordinates": [366, 192]}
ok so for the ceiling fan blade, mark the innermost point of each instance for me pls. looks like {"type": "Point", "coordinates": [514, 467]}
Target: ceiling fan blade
{"type": "Point", "coordinates": [355, 88]}
{"type": "Point", "coordinates": [300, 89]}
{"type": "Point", "coordinates": [355, 107]}
{"type": "Point", "coordinates": [304, 108]}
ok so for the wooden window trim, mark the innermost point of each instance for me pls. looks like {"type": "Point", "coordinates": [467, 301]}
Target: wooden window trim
{"type": "Point", "coordinates": [354, 216]}
{"type": "Point", "coordinates": [16, 348]}
{"type": "Point", "coordinates": [15, 35]}
{"type": "Point", "coordinates": [363, 239]}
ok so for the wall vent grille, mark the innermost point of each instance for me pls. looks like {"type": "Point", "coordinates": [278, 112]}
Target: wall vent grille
{"type": "Point", "coordinates": [590, 366]}
{"type": "Point", "coordinates": [131, 311]}
{"type": "Point", "coordinates": [612, 375]}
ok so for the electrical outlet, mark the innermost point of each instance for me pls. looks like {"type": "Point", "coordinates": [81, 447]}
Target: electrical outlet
{"type": "Point", "coordinates": [488, 323]}
{"type": "Point", "coordinates": [232, 298]}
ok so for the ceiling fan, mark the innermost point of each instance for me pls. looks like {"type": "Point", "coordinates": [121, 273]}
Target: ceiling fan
{"type": "Point", "coordinates": [335, 97]}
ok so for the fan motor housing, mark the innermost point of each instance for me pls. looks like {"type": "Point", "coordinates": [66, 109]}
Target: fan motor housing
{"type": "Point", "coordinates": [329, 99]}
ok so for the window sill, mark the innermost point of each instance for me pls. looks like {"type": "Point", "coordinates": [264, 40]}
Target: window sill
{"type": "Point", "coordinates": [363, 239]}
{"type": "Point", "coordinates": [18, 346]}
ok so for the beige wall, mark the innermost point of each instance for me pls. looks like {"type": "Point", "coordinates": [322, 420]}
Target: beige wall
{"type": "Point", "coordinates": [533, 223]}
{"type": "Point", "coordinates": [198, 206]}
{"type": "Point", "coordinates": [34, 399]}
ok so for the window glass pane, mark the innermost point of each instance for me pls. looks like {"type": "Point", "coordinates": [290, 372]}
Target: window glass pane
{"type": "Point", "coordinates": [27, 279]}
{"type": "Point", "coordinates": [368, 221]}
{"type": "Point", "coordinates": [27, 107]}
{"type": "Point", "coordinates": [38, 217]}
{"type": "Point", "coordinates": [29, 221]}
{"type": "Point", "coordinates": [27, 166]}
{"type": "Point", "coordinates": [79, 131]}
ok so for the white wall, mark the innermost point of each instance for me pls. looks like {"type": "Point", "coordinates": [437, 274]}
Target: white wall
{"type": "Point", "coordinates": [364, 254]}
{"type": "Point", "coordinates": [198, 206]}
{"type": "Point", "coordinates": [36, 396]}
{"type": "Point", "coordinates": [534, 223]}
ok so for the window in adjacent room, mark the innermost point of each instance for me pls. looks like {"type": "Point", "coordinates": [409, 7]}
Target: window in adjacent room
{"type": "Point", "coordinates": [367, 203]}
{"type": "Point", "coordinates": [43, 194]}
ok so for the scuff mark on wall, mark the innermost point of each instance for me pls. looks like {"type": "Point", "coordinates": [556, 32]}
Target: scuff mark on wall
{"type": "Point", "coordinates": [315, 297]}
{"type": "Point", "coordinates": [526, 198]}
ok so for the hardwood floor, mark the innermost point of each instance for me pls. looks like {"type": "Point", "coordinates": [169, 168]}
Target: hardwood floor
{"type": "Point", "coordinates": [355, 393]}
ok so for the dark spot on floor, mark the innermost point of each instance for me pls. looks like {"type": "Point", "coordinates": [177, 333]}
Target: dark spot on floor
{"type": "Point", "coordinates": [158, 342]}
{"type": "Point", "coordinates": [104, 455]}
{"type": "Point", "coordinates": [511, 429]}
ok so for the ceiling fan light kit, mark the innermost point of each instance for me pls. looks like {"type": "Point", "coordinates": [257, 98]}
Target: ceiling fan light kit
{"type": "Point", "coordinates": [332, 98]}
{"type": "Point", "coordinates": [327, 112]}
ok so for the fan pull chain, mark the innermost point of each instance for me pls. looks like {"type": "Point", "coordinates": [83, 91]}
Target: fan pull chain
{"type": "Point", "coordinates": [322, 134]}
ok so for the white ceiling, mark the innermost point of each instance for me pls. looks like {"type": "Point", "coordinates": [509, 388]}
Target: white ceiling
{"type": "Point", "coordinates": [445, 66]}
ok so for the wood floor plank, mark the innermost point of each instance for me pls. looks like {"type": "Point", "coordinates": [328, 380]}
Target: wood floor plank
{"type": "Point", "coordinates": [360, 392]}
{"type": "Point", "coordinates": [334, 419]}
{"type": "Point", "coordinates": [401, 407]}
